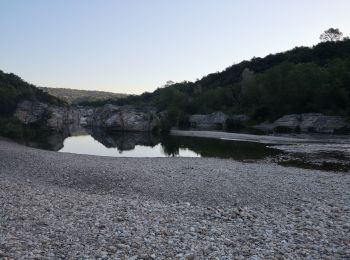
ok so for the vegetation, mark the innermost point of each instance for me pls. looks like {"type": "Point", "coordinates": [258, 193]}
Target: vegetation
{"type": "Point", "coordinates": [13, 128]}
{"type": "Point", "coordinates": [12, 90]}
{"type": "Point", "coordinates": [74, 96]}
{"type": "Point", "coordinates": [301, 80]}
{"type": "Point", "coordinates": [331, 34]}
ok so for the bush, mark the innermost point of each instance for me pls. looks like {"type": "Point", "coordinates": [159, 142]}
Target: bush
{"type": "Point", "coordinates": [12, 128]}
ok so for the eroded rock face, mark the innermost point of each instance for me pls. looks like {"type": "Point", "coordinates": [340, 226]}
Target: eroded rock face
{"type": "Point", "coordinates": [108, 117]}
{"type": "Point", "coordinates": [214, 121]}
{"type": "Point", "coordinates": [310, 122]}
{"type": "Point", "coordinates": [55, 118]}
{"type": "Point", "coordinates": [117, 118]}
{"type": "Point", "coordinates": [30, 112]}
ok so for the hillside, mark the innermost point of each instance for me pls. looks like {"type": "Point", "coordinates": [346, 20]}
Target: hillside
{"type": "Point", "coordinates": [74, 96]}
{"type": "Point", "coordinates": [14, 89]}
{"type": "Point", "coordinates": [300, 80]}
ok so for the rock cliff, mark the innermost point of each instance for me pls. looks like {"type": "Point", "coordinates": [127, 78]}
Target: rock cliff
{"type": "Point", "coordinates": [108, 117]}
{"type": "Point", "coordinates": [306, 123]}
{"type": "Point", "coordinates": [214, 121]}
{"type": "Point", "coordinates": [54, 118]}
{"type": "Point", "coordinates": [115, 118]}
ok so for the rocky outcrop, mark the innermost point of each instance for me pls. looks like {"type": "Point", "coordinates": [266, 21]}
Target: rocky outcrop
{"type": "Point", "coordinates": [54, 118]}
{"type": "Point", "coordinates": [115, 118]}
{"type": "Point", "coordinates": [108, 117]}
{"type": "Point", "coordinates": [214, 121]}
{"type": "Point", "coordinates": [30, 112]}
{"type": "Point", "coordinates": [307, 123]}
{"type": "Point", "coordinates": [218, 121]}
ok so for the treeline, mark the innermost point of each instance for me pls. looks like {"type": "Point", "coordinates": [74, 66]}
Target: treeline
{"type": "Point", "coordinates": [13, 90]}
{"type": "Point", "coordinates": [301, 80]}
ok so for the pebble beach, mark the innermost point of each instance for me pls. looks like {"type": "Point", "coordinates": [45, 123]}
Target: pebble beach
{"type": "Point", "coordinates": [71, 206]}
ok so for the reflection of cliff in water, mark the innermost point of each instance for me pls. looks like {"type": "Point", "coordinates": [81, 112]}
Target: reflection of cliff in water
{"type": "Point", "coordinates": [171, 145]}
{"type": "Point", "coordinates": [47, 141]}
{"type": "Point", "coordinates": [53, 141]}
{"type": "Point", "coordinates": [124, 141]}
{"type": "Point", "coordinates": [208, 147]}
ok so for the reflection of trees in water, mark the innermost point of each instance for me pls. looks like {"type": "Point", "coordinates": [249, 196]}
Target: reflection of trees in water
{"type": "Point", "coordinates": [170, 145]}
{"type": "Point", "coordinates": [53, 141]}
{"type": "Point", "coordinates": [124, 141]}
{"type": "Point", "coordinates": [47, 141]}
{"type": "Point", "coordinates": [208, 147]}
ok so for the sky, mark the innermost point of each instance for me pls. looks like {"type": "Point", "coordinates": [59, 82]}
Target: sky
{"type": "Point", "coordinates": [133, 46]}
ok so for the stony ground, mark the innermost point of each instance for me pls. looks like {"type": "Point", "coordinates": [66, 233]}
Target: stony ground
{"type": "Point", "coordinates": [56, 205]}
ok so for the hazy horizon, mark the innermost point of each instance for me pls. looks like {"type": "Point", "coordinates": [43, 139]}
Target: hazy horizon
{"type": "Point", "coordinates": [132, 47]}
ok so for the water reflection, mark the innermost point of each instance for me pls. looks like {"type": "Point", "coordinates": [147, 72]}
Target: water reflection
{"type": "Point", "coordinates": [99, 142]}
{"type": "Point", "coordinates": [124, 141]}
{"type": "Point", "coordinates": [208, 147]}
{"type": "Point", "coordinates": [88, 145]}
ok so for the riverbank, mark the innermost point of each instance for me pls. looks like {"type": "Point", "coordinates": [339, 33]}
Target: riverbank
{"type": "Point", "coordinates": [264, 139]}
{"type": "Point", "coordinates": [311, 151]}
{"type": "Point", "coordinates": [69, 205]}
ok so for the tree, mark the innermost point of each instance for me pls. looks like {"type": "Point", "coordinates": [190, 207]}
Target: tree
{"type": "Point", "coordinates": [249, 88]}
{"type": "Point", "coordinates": [332, 34]}
{"type": "Point", "coordinates": [169, 83]}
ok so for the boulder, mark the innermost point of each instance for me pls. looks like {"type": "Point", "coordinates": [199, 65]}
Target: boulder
{"type": "Point", "coordinates": [30, 112]}
{"type": "Point", "coordinates": [307, 123]}
{"type": "Point", "coordinates": [54, 118]}
{"type": "Point", "coordinates": [109, 117]}
{"type": "Point", "coordinates": [117, 118]}
{"type": "Point", "coordinates": [214, 121]}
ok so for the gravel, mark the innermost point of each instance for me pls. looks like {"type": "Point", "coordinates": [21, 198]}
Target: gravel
{"type": "Point", "coordinates": [60, 205]}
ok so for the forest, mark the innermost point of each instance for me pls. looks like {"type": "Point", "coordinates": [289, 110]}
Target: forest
{"type": "Point", "coordinates": [300, 80]}
{"type": "Point", "coordinates": [13, 89]}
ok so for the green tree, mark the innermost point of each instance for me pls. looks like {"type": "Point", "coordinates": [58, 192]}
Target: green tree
{"type": "Point", "coordinates": [332, 34]}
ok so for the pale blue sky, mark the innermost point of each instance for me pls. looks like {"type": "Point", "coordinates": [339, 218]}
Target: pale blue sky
{"type": "Point", "coordinates": [132, 46]}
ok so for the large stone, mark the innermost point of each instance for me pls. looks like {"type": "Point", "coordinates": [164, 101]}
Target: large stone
{"type": "Point", "coordinates": [54, 118]}
{"type": "Point", "coordinates": [109, 117]}
{"type": "Point", "coordinates": [30, 112]}
{"type": "Point", "coordinates": [309, 122]}
{"type": "Point", "coordinates": [117, 118]}
{"type": "Point", "coordinates": [214, 121]}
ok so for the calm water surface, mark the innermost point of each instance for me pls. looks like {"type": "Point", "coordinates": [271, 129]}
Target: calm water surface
{"type": "Point", "coordinates": [147, 145]}
{"type": "Point", "coordinates": [333, 149]}
{"type": "Point", "coordinates": [88, 145]}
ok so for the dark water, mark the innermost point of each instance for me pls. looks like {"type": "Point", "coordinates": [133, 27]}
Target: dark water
{"type": "Point", "coordinates": [99, 142]}
{"type": "Point", "coordinates": [147, 145]}
{"type": "Point", "coordinates": [331, 153]}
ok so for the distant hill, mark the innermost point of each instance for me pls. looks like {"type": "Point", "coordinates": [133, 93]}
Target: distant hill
{"type": "Point", "coordinates": [75, 96]}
